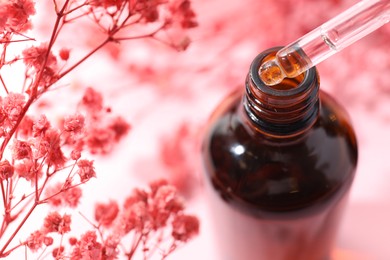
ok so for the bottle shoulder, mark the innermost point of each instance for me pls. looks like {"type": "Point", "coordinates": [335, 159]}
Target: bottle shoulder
{"type": "Point", "coordinates": [273, 177]}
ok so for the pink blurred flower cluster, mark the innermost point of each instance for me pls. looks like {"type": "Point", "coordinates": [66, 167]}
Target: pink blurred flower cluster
{"type": "Point", "coordinates": [15, 15]}
{"type": "Point", "coordinates": [217, 63]}
{"type": "Point", "coordinates": [151, 216]}
{"type": "Point", "coordinates": [45, 162]}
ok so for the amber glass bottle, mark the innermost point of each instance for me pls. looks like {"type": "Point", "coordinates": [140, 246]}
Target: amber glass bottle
{"type": "Point", "coordinates": [279, 163]}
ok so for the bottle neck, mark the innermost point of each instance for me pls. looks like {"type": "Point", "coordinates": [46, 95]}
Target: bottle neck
{"type": "Point", "coordinates": [286, 109]}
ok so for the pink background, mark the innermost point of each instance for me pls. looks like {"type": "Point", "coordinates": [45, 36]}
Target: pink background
{"type": "Point", "coordinates": [167, 96]}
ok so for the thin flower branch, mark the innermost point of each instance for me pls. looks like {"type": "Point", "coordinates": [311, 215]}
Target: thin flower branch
{"type": "Point", "coordinates": [4, 85]}
{"type": "Point", "coordinates": [74, 9]}
{"type": "Point", "coordinates": [16, 40]}
{"type": "Point", "coordinates": [147, 35]}
{"type": "Point", "coordinates": [3, 252]}
{"type": "Point", "coordinates": [39, 151]}
{"type": "Point", "coordinates": [96, 49]}
{"type": "Point", "coordinates": [34, 87]}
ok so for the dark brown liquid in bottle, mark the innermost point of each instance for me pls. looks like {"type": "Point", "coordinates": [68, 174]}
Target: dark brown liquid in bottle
{"type": "Point", "coordinates": [278, 199]}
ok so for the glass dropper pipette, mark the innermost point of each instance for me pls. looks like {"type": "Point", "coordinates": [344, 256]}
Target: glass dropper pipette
{"type": "Point", "coordinates": [326, 40]}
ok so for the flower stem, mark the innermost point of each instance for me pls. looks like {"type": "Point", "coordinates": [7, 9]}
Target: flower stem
{"type": "Point", "coordinates": [2, 251]}
{"type": "Point", "coordinates": [134, 247]}
{"type": "Point", "coordinates": [101, 45]}
{"type": "Point", "coordinates": [4, 85]}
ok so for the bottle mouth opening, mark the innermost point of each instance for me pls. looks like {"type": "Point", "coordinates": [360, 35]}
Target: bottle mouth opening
{"type": "Point", "coordinates": [289, 86]}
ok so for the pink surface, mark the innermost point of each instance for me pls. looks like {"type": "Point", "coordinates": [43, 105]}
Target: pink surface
{"type": "Point", "coordinates": [167, 96]}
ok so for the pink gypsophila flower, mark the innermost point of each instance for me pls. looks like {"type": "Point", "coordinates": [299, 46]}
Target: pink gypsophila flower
{"type": "Point", "coordinates": [12, 106]}
{"type": "Point", "coordinates": [92, 101]}
{"type": "Point", "coordinates": [184, 227]}
{"type": "Point", "coordinates": [87, 248]}
{"type": "Point", "coordinates": [137, 195]}
{"type": "Point", "coordinates": [105, 213]}
{"type": "Point", "coordinates": [35, 56]}
{"type": "Point", "coordinates": [40, 126]}
{"type": "Point", "coordinates": [73, 241]}
{"type": "Point", "coordinates": [18, 14]}
{"type": "Point", "coordinates": [71, 197]}
{"type": "Point", "coordinates": [6, 170]}
{"type": "Point", "coordinates": [50, 147]}
{"type": "Point", "coordinates": [164, 204]}
{"type": "Point", "coordinates": [134, 217]}
{"type": "Point", "coordinates": [25, 127]}
{"type": "Point", "coordinates": [21, 150]}
{"type": "Point", "coordinates": [55, 223]}
{"type": "Point", "coordinates": [148, 10]}
{"type": "Point", "coordinates": [58, 252]}
{"type": "Point", "coordinates": [48, 241]}
{"type": "Point", "coordinates": [74, 123]}
{"type": "Point", "coordinates": [75, 154]}
{"type": "Point", "coordinates": [35, 240]}
{"type": "Point", "coordinates": [63, 196]}
{"type": "Point", "coordinates": [28, 170]}
{"type": "Point", "coordinates": [86, 170]}
{"type": "Point", "coordinates": [155, 186]}
{"type": "Point", "coordinates": [182, 12]}
{"type": "Point", "coordinates": [120, 128]}
{"type": "Point", "coordinates": [110, 248]}
{"type": "Point", "coordinates": [3, 16]}
{"type": "Point", "coordinates": [64, 54]}
{"type": "Point", "coordinates": [166, 198]}
{"type": "Point", "coordinates": [100, 140]}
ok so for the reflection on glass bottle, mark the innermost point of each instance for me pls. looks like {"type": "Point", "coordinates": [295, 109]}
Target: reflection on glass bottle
{"type": "Point", "coordinates": [279, 162]}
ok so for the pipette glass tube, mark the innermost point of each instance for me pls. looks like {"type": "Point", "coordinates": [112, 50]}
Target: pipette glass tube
{"type": "Point", "coordinates": [326, 40]}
